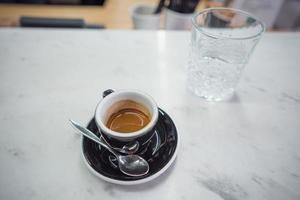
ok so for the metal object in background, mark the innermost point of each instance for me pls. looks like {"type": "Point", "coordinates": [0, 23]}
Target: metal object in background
{"type": "Point", "coordinates": [56, 23]}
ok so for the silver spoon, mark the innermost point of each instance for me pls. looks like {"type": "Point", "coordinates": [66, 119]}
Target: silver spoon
{"type": "Point", "coordinates": [131, 165]}
{"type": "Point", "coordinates": [130, 148]}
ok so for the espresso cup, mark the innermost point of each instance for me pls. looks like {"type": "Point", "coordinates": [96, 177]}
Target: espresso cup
{"type": "Point", "coordinates": [109, 105]}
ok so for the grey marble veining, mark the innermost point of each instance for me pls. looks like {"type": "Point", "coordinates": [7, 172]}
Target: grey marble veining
{"type": "Point", "coordinates": [246, 148]}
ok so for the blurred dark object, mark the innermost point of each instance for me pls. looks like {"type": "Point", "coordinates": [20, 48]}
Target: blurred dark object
{"type": "Point", "coordinates": [183, 6]}
{"type": "Point", "coordinates": [92, 2]}
{"type": "Point", "coordinates": [7, 1]}
{"type": "Point", "coordinates": [32, 1]}
{"type": "Point", "coordinates": [56, 23]}
{"type": "Point", "coordinates": [25, 1]}
{"type": "Point", "coordinates": [159, 6]}
{"type": "Point", "coordinates": [62, 2]}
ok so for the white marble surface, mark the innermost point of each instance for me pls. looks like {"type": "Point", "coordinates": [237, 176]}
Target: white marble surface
{"type": "Point", "coordinates": [247, 148]}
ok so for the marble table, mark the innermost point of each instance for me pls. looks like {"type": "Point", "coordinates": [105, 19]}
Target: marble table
{"type": "Point", "coordinates": [246, 148]}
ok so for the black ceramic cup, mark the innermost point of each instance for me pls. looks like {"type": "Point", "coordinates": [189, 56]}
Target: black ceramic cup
{"type": "Point", "coordinates": [119, 140]}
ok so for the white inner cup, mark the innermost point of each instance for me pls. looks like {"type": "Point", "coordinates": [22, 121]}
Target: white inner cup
{"type": "Point", "coordinates": [144, 18]}
{"type": "Point", "coordinates": [177, 21]}
{"type": "Point", "coordinates": [102, 115]}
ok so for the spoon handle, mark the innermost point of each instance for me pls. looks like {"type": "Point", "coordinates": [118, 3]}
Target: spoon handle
{"type": "Point", "coordinates": [92, 136]}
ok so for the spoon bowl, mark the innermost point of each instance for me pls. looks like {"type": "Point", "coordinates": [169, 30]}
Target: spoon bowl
{"type": "Point", "coordinates": [131, 165]}
{"type": "Point", "coordinates": [127, 165]}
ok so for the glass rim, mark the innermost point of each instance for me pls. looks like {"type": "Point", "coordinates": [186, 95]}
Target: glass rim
{"type": "Point", "coordinates": [215, 36]}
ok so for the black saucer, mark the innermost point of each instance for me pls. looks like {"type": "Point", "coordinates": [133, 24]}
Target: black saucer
{"type": "Point", "coordinates": [160, 153]}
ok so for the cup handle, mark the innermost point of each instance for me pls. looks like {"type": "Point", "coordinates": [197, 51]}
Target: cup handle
{"type": "Point", "coordinates": [107, 92]}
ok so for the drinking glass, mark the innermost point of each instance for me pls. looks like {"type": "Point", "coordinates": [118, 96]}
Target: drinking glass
{"type": "Point", "coordinates": [222, 40]}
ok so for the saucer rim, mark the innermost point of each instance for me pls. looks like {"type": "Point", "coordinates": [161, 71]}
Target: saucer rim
{"type": "Point", "coordinates": [134, 182]}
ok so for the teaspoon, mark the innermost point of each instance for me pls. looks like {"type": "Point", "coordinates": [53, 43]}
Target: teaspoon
{"type": "Point", "coordinates": [131, 165]}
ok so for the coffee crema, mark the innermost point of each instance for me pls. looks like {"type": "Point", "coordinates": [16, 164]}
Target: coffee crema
{"type": "Point", "coordinates": [127, 116]}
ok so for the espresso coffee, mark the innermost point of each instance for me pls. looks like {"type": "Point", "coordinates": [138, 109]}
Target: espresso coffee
{"type": "Point", "coordinates": [127, 116]}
